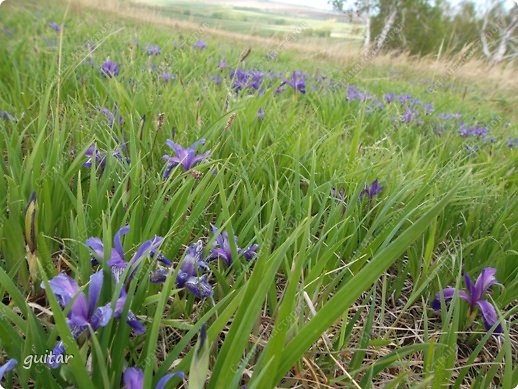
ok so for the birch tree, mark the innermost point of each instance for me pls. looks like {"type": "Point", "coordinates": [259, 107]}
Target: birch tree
{"type": "Point", "coordinates": [498, 33]}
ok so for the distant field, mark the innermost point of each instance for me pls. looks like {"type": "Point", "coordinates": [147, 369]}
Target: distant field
{"type": "Point", "coordinates": [260, 18]}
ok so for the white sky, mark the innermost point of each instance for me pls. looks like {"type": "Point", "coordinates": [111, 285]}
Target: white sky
{"type": "Point", "coordinates": [323, 4]}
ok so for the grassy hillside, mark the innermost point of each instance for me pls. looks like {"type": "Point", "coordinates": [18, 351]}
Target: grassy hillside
{"type": "Point", "coordinates": [260, 18]}
{"type": "Point", "coordinates": [356, 190]}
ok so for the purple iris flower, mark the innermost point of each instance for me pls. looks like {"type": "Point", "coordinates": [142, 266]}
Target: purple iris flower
{"type": "Point", "coordinates": [272, 56]}
{"type": "Point", "coordinates": [478, 131]}
{"type": "Point", "coordinates": [84, 312]}
{"type": "Point", "coordinates": [137, 327]}
{"type": "Point", "coordinates": [409, 115]}
{"type": "Point", "coordinates": [355, 94]}
{"type": "Point", "coordinates": [97, 157]}
{"type": "Point", "coordinates": [255, 80]}
{"type": "Point", "coordinates": [473, 295]}
{"type": "Point", "coordinates": [54, 26]}
{"type": "Point", "coordinates": [405, 99]}
{"type": "Point", "coordinates": [472, 149]}
{"type": "Point", "coordinates": [339, 196]}
{"type": "Point", "coordinates": [223, 64]}
{"type": "Point", "coordinates": [167, 76]}
{"type": "Point", "coordinates": [243, 79]}
{"type": "Point", "coordinates": [8, 366]}
{"type": "Point", "coordinates": [190, 273]}
{"type": "Point", "coordinates": [222, 249]}
{"type": "Point", "coordinates": [512, 143]}
{"type": "Point", "coordinates": [217, 79]}
{"type": "Point", "coordinates": [152, 49]}
{"type": "Point", "coordinates": [260, 114]}
{"type": "Point", "coordinates": [297, 82]}
{"type": "Point", "coordinates": [240, 78]}
{"type": "Point", "coordinates": [280, 88]}
{"type": "Point", "coordinates": [200, 44]}
{"type": "Point", "coordinates": [109, 68]}
{"type": "Point", "coordinates": [134, 378]}
{"type": "Point", "coordinates": [7, 116]}
{"type": "Point", "coordinates": [428, 108]}
{"type": "Point", "coordinates": [190, 267]}
{"type": "Point", "coordinates": [390, 97]}
{"type": "Point", "coordinates": [187, 157]}
{"type": "Point", "coordinates": [94, 154]}
{"type": "Point", "coordinates": [371, 190]}
{"type": "Point", "coordinates": [117, 262]}
{"type": "Point", "coordinates": [111, 116]}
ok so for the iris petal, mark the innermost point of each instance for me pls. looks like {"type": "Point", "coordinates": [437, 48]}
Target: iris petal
{"type": "Point", "coordinates": [159, 275]}
{"type": "Point", "coordinates": [137, 326]}
{"type": "Point", "coordinates": [469, 284]}
{"type": "Point", "coordinates": [117, 240]}
{"type": "Point", "coordinates": [448, 294]}
{"type": "Point", "coordinates": [59, 349]}
{"type": "Point", "coordinates": [64, 288]}
{"type": "Point", "coordinates": [484, 281]}
{"type": "Point", "coordinates": [97, 247]}
{"type": "Point", "coordinates": [8, 366]}
{"type": "Point", "coordinates": [199, 286]}
{"type": "Point", "coordinates": [101, 316]}
{"type": "Point", "coordinates": [96, 284]}
{"type": "Point", "coordinates": [133, 378]}
{"type": "Point", "coordinates": [161, 383]}
{"type": "Point", "coordinates": [489, 316]}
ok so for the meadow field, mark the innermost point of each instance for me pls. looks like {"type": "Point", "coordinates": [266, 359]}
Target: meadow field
{"type": "Point", "coordinates": [185, 207]}
{"type": "Point", "coordinates": [261, 18]}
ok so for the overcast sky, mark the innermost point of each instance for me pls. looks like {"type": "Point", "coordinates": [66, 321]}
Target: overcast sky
{"type": "Point", "coordinates": [323, 4]}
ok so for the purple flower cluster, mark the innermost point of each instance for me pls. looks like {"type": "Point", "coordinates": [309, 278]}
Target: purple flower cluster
{"type": "Point", "coordinates": [109, 69]}
{"type": "Point", "coordinates": [97, 157]}
{"type": "Point", "coordinates": [356, 94]}
{"type": "Point", "coordinates": [340, 198]}
{"type": "Point", "coordinates": [413, 107]}
{"type": "Point", "coordinates": [243, 79]}
{"type": "Point", "coordinates": [297, 81]}
{"type": "Point", "coordinates": [185, 157]}
{"type": "Point", "coordinates": [117, 261]}
{"type": "Point", "coordinates": [512, 143]}
{"type": "Point", "coordinates": [475, 131]}
{"type": "Point", "coordinates": [200, 44]}
{"type": "Point", "coordinates": [152, 49]}
{"type": "Point", "coordinates": [54, 26]}
{"type": "Point", "coordinates": [371, 190]}
{"type": "Point", "coordinates": [112, 116]}
{"type": "Point", "coordinates": [223, 64]}
{"type": "Point", "coordinates": [7, 116]}
{"type": "Point", "coordinates": [167, 76]}
{"type": "Point", "coordinates": [222, 249]}
{"type": "Point", "coordinates": [193, 270]}
{"type": "Point", "coordinates": [84, 311]}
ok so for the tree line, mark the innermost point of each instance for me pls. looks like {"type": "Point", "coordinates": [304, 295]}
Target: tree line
{"type": "Point", "coordinates": [423, 27]}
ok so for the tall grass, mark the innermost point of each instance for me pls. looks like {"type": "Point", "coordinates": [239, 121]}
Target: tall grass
{"type": "Point", "coordinates": [339, 293]}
